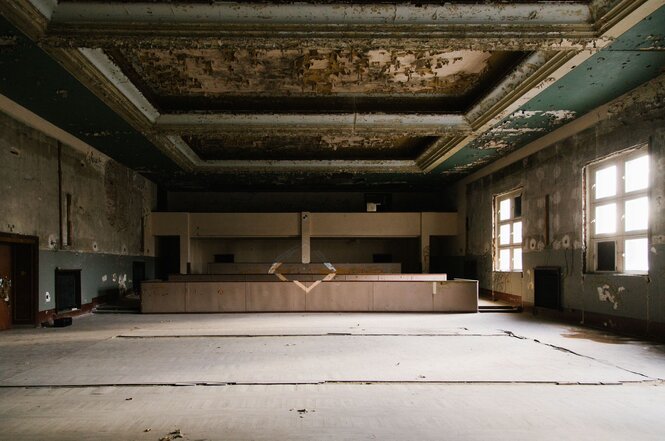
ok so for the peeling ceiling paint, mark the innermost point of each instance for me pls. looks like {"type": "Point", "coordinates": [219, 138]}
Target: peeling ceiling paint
{"type": "Point", "coordinates": [243, 71]}
{"type": "Point", "coordinates": [342, 75]}
{"type": "Point", "coordinates": [625, 64]}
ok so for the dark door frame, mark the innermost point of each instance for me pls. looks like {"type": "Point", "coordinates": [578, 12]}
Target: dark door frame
{"type": "Point", "coordinates": [78, 295]}
{"type": "Point", "coordinates": [33, 241]}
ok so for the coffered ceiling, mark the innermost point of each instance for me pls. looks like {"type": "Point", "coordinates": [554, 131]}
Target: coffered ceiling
{"type": "Point", "coordinates": [321, 94]}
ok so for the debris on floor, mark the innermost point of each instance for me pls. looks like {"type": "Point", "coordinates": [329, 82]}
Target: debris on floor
{"type": "Point", "coordinates": [176, 434]}
{"type": "Point", "coordinates": [301, 412]}
{"type": "Point", "coordinates": [57, 322]}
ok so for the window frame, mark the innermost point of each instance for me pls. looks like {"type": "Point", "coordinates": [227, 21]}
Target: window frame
{"type": "Point", "coordinates": [621, 196]}
{"type": "Point", "coordinates": [511, 220]}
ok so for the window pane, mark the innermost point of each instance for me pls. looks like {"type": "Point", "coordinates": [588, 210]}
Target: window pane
{"type": "Point", "coordinates": [517, 259]}
{"type": "Point", "coordinates": [636, 253]}
{"type": "Point", "coordinates": [504, 259]}
{"type": "Point", "coordinates": [518, 206]}
{"type": "Point", "coordinates": [637, 174]}
{"type": "Point", "coordinates": [517, 232]}
{"type": "Point", "coordinates": [606, 256]}
{"type": "Point", "coordinates": [637, 214]}
{"type": "Point", "coordinates": [504, 234]}
{"type": "Point", "coordinates": [504, 209]}
{"type": "Point", "coordinates": [606, 182]}
{"type": "Point", "coordinates": [606, 219]}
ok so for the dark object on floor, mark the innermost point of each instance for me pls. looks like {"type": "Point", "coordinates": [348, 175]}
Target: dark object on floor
{"type": "Point", "coordinates": [500, 308]}
{"type": "Point", "coordinates": [62, 322]}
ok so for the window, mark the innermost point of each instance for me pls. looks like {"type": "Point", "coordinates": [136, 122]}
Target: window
{"type": "Point", "coordinates": [618, 213]}
{"type": "Point", "coordinates": [508, 231]}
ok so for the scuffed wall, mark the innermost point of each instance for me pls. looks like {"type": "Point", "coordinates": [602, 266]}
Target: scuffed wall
{"type": "Point", "coordinates": [557, 172]}
{"type": "Point", "coordinates": [108, 204]}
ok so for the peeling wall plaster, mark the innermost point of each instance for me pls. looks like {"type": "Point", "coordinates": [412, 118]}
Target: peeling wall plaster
{"type": "Point", "coordinates": [108, 205]}
{"type": "Point", "coordinates": [606, 294]}
{"type": "Point", "coordinates": [108, 200]}
{"type": "Point", "coordinates": [557, 172]}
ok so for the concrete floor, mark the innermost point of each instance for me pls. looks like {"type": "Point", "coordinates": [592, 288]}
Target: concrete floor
{"type": "Point", "coordinates": [328, 376]}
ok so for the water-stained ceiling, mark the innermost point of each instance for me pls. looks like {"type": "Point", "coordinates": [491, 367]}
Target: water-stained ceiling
{"type": "Point", "coordinates": [321, 94]}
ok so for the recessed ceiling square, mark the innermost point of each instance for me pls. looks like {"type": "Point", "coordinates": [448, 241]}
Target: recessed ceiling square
{"type": "Point", "coordinates": [324, 79]}
{"type": "Point", "coordinates": [325, 147]}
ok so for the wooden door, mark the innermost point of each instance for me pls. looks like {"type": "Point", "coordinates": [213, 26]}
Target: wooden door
{"type": "Point", "coordinates": [5, 286]}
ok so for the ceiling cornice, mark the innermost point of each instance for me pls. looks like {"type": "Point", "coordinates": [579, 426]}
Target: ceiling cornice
{"type": "Point", "coordinates": [321, 166]}
{"type": "Point", "coordinates": [642, 93]}
{"type": "Point", "coordinates": [225, 13]}
{"type": "Point", "coordinates": [30, 16]}
{"type": "Point", "coordinates": [532, 26]}
{"type": "Point", "coordinates": [293, 124]}
{"type": "Point", "coordinates": [526, 81]}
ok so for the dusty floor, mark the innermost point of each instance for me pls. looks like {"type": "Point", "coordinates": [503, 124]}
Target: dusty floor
{"type": "Point", "coordinates": [328, 376]}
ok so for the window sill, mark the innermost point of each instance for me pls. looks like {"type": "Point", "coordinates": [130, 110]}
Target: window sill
{"type": "Point", "coordinates": [615, 274]}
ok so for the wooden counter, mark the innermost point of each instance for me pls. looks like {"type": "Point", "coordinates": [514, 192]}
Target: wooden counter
{"type": "Point", "coordinates": [348, 293]}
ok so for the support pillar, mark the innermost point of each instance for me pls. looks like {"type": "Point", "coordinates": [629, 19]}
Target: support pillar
{"type": "Point", "coordinates": [305, 235]}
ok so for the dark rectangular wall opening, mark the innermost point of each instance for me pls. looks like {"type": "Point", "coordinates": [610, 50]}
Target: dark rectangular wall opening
{"type": "Point", "coordinates": [167, 256]}
{"type": "Point", "coordinates": [547, 287]}
{"type": "Point", "coordinates": [138, 275]}
{"type": "Point", "coordinates": [67, 289]}
{"type": "Point", "coordinates": [225, 258]}
{"type": "Point", "coordinates": [382, 258]}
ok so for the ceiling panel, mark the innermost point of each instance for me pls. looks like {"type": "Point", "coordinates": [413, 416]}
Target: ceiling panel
{"type": "Point", "coordinates": [197, 78]}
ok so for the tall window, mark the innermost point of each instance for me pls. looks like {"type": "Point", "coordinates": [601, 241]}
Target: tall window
{"type": "Point", "coordinates": [508, 231]}
{"type": "Point", "coordinates": [618, 213]}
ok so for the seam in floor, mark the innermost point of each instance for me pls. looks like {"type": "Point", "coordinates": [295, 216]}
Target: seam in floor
{"type": "Point", "coordinates": [329, 334]}
{"type": "Point", "coordinates": [323, 383]}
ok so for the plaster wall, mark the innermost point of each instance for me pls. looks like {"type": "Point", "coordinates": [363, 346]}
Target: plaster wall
{"type": "Point", "coordinates": [266, 237]}
{"type": "Point", "coordinates": [347, 250]}
{"type": "Point", "coordinates": [244, 250]}
{"type": "Point", "coordinates": [108, 205]}
{"type": "Point", "coordinates": [557, 172]}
